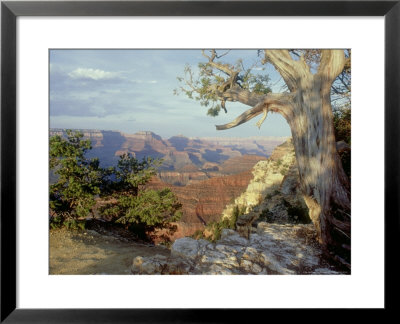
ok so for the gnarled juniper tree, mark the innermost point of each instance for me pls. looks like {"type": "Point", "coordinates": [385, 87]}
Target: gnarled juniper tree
{"type": "Point", "coordinates": [313, 79]}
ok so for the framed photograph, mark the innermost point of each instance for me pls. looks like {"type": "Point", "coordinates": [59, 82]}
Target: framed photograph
{"type": "Point", "coordinates": [136, 79]}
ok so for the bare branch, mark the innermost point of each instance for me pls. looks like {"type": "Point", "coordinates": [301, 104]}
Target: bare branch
{"type": "Point", "coordinates": [243, 96]}
{"type": "Point", "coordinates": [219, 66]}
{"type": "Point", "coordinates": [277, 102]}
{"type": "Point", "coordinates": [246, 116]}
{"type": "Point", "coordinates": [223, 54]}
{"type": "Point", "coordinates": [260, 122]}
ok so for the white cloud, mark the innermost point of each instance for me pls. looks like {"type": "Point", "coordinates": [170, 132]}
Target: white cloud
{"type": "Point", "coordinates": [94, 74]}
{"type": "Point", "coordinates": [145, 82]}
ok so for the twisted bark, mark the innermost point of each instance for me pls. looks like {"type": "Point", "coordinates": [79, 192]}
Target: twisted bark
{"type": "Point", "coordinates": [307, 109]}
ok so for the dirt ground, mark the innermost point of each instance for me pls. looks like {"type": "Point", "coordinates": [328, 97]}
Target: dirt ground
{"type": "Point", "coordinates": [88, 252]}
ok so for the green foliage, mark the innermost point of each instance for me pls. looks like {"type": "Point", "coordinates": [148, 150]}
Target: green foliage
{"type": "Point", "coordinates": [79, 178]}
{"type": "Point", "coordinates": [266, 216]}
{"type": "Point", "coordinates": [342, 124]}
{"type": "Point", "coordinates": [237, 211]}
{"type": "Point", "coordinates": [129, 174]}
{"type": "Point", "coordinates": [142, 210]}
{"type": "Point", "coordinates": [56, 222]}
{"type": "Point", "coordinates": [72, 224]}
{"type": "Point", "coordinates": [75, 224]}
{"type": "Point", "coordinates": [297, 213]}
{"type": "Point", "coordinates": [198, 235]}
{"type": "Point", "coordinates": [345, 156]}
{"type": "Point", "coordinates": [284, 171]}
{"type": "Point", "coordinates": [150, 207]}
{"type": "Point", "coordinates": [216, 227]}
{"type": "Point", "coordinates": [211, 79]}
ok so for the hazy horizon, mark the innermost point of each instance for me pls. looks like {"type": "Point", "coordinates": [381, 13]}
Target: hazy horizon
{"type": "Point", "coordinates": [165, 137]}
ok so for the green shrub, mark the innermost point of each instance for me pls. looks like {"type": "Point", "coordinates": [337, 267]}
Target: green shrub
{"type": "Point", "coordinates": [72, 196]}
{"type": "Point", "coordinates": [342, 124]}
{"type": "Point", "coordinates": [236, 212]}
{"type": "Point", "coordinates": [56, 222]}
{"type": "Point", "coordinates": [216, 227]}
{"type": "Point", "coordinates": [297, 213]}
{"type": "Point", "coordinates": [75, 224]}
{"type": "Point", "coordinates": [141, 210]}
{"type": "Point", "coordinates": [266, 215]}
{"type": "Point", "coordinates": [72, 224]}
{"type": "Point", "coordinates": [284, 171]}
{"type": "Point", "coordinates": [80, 181]}
{"type": "Point", "coordinates": [345, 156]}
{"type": "Point", "coordinates": [198, 235]}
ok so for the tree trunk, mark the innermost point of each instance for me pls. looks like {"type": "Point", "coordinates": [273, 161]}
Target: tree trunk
{"type": "Point", "coordinates": [323, 182]}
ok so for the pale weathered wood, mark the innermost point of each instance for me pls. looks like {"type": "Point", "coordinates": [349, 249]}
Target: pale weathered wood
{"type": "Point", "coordinates": [307, 109]}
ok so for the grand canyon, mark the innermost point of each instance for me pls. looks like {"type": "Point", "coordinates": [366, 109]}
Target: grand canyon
{"type": "Point", "coordinates": [206, 174]}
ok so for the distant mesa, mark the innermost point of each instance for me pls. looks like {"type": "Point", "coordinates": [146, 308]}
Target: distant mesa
{"type": "Point", "coordinates": [147, 134]}
{"type": "Point", "coordinates": [180, 153]}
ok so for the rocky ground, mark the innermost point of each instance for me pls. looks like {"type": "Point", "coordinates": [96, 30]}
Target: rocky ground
{"type": "Point", "coordinates": [277, 236]}
{"type": "Point", "coordinates": [271, 249]}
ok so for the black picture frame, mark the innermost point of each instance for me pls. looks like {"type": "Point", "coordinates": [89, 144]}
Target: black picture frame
{"type": "Point", "coordinates": [10, 10]}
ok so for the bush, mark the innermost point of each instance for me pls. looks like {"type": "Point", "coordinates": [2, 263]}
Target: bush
{"type": "Point", "coordinates": [216, 227]}
{"type": "Point", "coordinates": [198, 235]}
{"type": "Point", "coordinates": [141, 210]}
{"type": "Point", "coordinates": [72, 196]}
{"type": "Point", "coordinates": [345, 157]}
{"type": "Point", "coordinates": [297, 213]}
{"type": "Point", "coordinates": [342, 124]}
{"type": "Point", "coordinates": [266, 215]}
{"type": "Point", "coordinates": [81, 180]}
{"type": "Point", "coordinates": [236, 212]}
{"type": "Point", "coordinates": [58, 222]}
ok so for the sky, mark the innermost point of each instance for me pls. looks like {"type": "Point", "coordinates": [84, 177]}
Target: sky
{"type": "Point", "coordinates": [133, 90]}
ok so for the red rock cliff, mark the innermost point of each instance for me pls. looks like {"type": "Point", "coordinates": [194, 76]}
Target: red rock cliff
{"type": "Point", "coordinates": [203, 202]}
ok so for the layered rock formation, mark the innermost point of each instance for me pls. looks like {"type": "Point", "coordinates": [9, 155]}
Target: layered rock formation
{"type": "Point", "coordinates": [183, 178]}
{"type": "Point", "coordinates": [269, 192]}
{"type": "Point", "coordinates": [273, 249]}
{"type": "Point", "coordinates": [273, 193]}
{"type": "Point", "coordinates": [191, 174]}
{"type": "Point", "coordinates": [177, 152]}
{"type": "Point", "coordinates": [204, 201]}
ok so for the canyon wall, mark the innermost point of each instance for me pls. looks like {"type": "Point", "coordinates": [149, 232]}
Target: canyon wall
{"type": "Point", "coordinates": [204, 201]}
{"type": "Point", "coordinates": [177, 152]}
